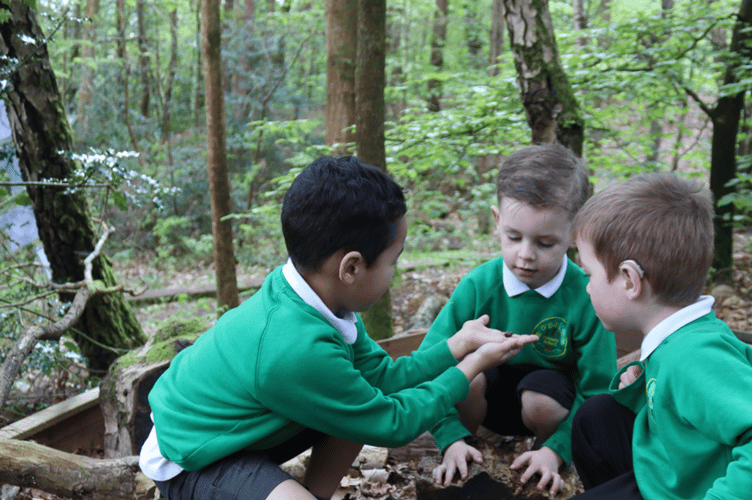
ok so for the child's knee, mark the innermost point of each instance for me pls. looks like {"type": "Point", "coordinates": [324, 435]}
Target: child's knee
{"type": "Point", "coordinates": [478, 388]}
{"type": "Point", "coordinates": [539, 410]}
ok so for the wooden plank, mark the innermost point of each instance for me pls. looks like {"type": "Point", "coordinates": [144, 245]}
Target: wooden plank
{"type": "Point", "coordinates": [403, 345]}
{"type": "Point", "coordinates": [41, 420]}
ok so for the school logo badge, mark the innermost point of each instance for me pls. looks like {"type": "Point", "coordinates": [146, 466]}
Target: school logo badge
{"type": "Point", "coordinates": [553, 337]}
{"type": "Point", "coordinates": [650, 392]}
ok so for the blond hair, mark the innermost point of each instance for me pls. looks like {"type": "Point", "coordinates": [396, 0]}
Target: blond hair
{"type": "Point", "coordinates": [662, 221]}
{"type": "Point", "coordinates": [544, 176]}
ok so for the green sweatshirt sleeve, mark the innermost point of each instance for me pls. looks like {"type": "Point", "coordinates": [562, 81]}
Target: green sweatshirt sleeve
{"type": "Point", "coordinates": [391, 376]}
{"type": "Point", "coordinates": [326, 391]}
{"type": "Point", "coordinates": [460, 308]}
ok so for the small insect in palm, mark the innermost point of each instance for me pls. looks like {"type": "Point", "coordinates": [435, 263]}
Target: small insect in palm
{"type": "Point", "coordinates": [508, 334]}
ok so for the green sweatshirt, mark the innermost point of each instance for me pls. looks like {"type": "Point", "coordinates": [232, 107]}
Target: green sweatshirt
{"type": "Point", "coordinates": [572, 339]}
{"type": "Point", "coordinates": [274, 366]}
{"type": "Point", "coordinates": [693, 431]}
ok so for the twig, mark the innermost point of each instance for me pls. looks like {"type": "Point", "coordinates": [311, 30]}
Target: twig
{"type": "Point", "coordinates": [25, 344]}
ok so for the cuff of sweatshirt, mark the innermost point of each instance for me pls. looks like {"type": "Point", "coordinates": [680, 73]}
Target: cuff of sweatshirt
{"type": "Point", "coordinates": [449, 430]}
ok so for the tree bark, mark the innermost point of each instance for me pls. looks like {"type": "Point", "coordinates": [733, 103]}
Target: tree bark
{"type": "Point", "coordinates": [370, 80]}
{"type": "Point", "coordinates": [725, 118]}
{"type": "Point", "coordinates": [87, 73]}
{"type": "Point", "coordinates": [438, 40]}
{"type": "Point", "coordinates": [144, 61]}
{"type": "Point", "coordinates": [171, 69]}
{"type": "Point", "coordinates": [496, 37]}
{"type": "Point", "coordinates": [341, 53]}
{"type": "Point", "coordinates": [42, 137]}
{"type": "Point", "coordinates": [553, 112]}
{"type": "Point", "coordinates": [219, 185]}
{"type": "Point", "coordinates": [28, 464]}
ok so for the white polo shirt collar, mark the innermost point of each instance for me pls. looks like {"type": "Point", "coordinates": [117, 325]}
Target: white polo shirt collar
{"type": "Point", "coordinates": [514, 286]}
{"type": "Point", "coordinates": [346, 326]}
{"type": "Point", "coordinates": [674, 322]}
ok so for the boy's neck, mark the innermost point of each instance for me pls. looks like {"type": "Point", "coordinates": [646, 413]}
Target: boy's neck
{"type": "Point", "coordinates": [649, 315]}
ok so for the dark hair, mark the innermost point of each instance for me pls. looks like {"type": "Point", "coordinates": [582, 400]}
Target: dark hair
{"type": "Point", "coordinates": [545, 176]}
{"type": "Point", "coordinates": [337, 203]}
{"type": "Point", "coordinates": [662, 221]}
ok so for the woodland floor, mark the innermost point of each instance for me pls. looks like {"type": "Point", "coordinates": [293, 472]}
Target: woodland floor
{"type": "Point", "coordinates": [402, 471]}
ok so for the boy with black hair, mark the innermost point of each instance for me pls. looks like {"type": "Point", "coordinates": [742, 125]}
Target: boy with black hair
{"type": "Point", "coordinates": [532, 288]}
{"type": "Point", "coordinates": [677, 424]}
{"type": "Point", "coordinates": [293, 367]}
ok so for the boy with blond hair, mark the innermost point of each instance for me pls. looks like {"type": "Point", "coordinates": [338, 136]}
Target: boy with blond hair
{"type": "Point", "coordinates": [532, 288]}
{"type": "Point", "coordinates": [677, 424]}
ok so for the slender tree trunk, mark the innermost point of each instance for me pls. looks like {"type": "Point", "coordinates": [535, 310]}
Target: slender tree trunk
{"type": "Point", "coordinates": [239, 86]}
{"type": "Point", "coordinates": [473, 39]}
{"type": "Point", "coordinates": [87, 72]}
{"type": "Point", "coordinates": [370, 80]}
{"type": "Point", "coordinates": [219, 185]}
{"type": "Point", "coordinates": [171, 69]}
{"type": "Point", "coordinates": [553, 112]}
{"type": "Point", "coordinates": [144, 59]}
{"type": "Point", "coordinates": [341, 52]}
{"type": "Point", "coordinates": [197, 101]}
{"type": "Point", "coordinates": [496, 38]}
{"type": "Point", "coordinates": [43, 136]}
{"type": "Point", "coordinates": [580, 20]}
{"type": "Point", "coordinates": [725, 117]}
{"type": "Point", "coordinates": [438, 40]}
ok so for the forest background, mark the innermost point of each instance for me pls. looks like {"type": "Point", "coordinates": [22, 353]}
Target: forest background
{"type": "Point", "coordinates": [650, 82]}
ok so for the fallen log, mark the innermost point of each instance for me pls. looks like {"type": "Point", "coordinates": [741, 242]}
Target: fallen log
{"type": "Point", "coordinates": [27, 464]}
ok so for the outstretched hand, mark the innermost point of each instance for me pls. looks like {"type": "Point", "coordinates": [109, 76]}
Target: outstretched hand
{"type": "Point", "coordinates": [545, 462]}
{"type": "Point", "coordinates": [456, 458]}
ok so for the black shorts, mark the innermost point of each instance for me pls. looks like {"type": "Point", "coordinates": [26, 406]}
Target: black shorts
{"type": "Point", "coordinates": [246, 475]}
{"type": "Point", "coordinates": [505, 386]}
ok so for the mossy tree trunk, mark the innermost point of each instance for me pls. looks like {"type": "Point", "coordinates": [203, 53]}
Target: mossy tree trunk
{"type": "Point", "coordinates": [370, 80]}
{"type": "Point", "coordinates": [42, 136]}
{"type": "Point", "coordinates": [553, 112]}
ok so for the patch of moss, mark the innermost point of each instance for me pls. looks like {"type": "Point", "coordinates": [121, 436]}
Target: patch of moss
{"type": "Point", "coordinates": [173, 328]}
{"type": "Point", "coordinates": [167, 341]}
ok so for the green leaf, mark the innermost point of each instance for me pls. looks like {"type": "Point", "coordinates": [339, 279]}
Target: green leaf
{"type": "Point", "coordinates": [23, 199]}
{"type": "Point", "coordinates": [120, 200]}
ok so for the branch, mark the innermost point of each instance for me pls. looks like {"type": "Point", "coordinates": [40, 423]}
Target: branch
{"type": "Point", "coordinates": [85, 290]}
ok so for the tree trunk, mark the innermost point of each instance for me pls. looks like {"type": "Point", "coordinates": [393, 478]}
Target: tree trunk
{"type": "Point", "coordinates": [87, 71]}
{"type": "Point", "coordinates": [219, 185]}
{"type": "Point", "coordinates": [472, 31]}
{"type": "Point", "coordinates": [438, 40]}
{"type": "Point", "coordinates": [370, 80]}
{"type": "Point", "coordinates": [496, 38]}
{"type": "Point", "coordinates": [239, 87]}
{"type": "Point", "coordinates": [28, 464]}
{"type": "Point", "coordinates": [144, 61]}
{"type": "Point", "coordinates": [580, 20]}
{"type": "Point", "coordinates": [196, 80]}
{"type": "Point", "coordinates": [725, 117]}
{"type": "Point", "coordinates": [171, 69]}
{"type": "Point", "coordinates": [341, 52]}
{"type": "Point", "coordinates": [43, 136]}
{"type": "Point", "coordinates": [553, 112]}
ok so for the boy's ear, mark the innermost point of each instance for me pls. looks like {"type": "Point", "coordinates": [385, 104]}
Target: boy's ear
{"type": "Point", "coordinates": [495, 212]}
{"type": "Point", "coordinates": [633, 282]}
{"type": "Point", "coordinates": [350, 267]}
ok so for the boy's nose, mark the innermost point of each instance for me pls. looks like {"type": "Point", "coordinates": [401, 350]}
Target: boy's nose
{"type": "Point", "coordinates": [526, 251]}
